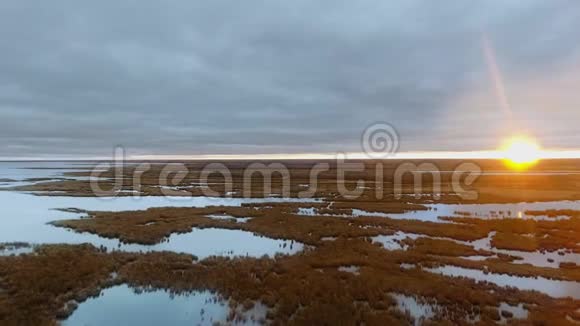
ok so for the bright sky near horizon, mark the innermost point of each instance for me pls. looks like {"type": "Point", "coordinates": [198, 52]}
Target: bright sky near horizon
{"type": "Point", "coordinates": [204, 78]}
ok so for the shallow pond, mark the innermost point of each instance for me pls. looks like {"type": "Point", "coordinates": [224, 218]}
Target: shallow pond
{"type": "Point", "coordinates": [418, 310]}
{"type": "Point", "coordinates": [553, 288]}
{"type": "Point", "coordinates": [120, 305]}
{"type": "Point", "coordinates": [540, 259]}
{"type": "Point", "coordinates": [25, 170]}
{"type": "Point", "coordinates": [394, 241]}
{"type": "Point", "coordinates": [16, 174]}
{"type": "Point", "coordinates": [512, 210]}
{"type": "Point", "coordinates": [24, 217]}
{"type": "Point", "coordinates": [535, 258]}
{"type": "Point", "coordinates": [483, 211]}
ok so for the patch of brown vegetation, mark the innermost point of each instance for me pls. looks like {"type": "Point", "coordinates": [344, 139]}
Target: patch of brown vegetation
{"type": "Point", "coordinates": [529, 235]}
{"type": "Point", "coordinates": [153, 225]}
{"type": "Point", "coordinates": [514, 241]}
{"type": "Point", "coordinates": [464, 232]}
{"type": "Point", "coordinates": [303, 289]}
{"type": "Point", "coordinates": [36, 288]}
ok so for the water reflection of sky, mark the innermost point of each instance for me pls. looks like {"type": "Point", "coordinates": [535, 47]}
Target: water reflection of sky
{"type": "Point", "coordinates": [510, 210]}
{"type": "Point", "coordinates": [553, 288]}
{"type": "Point", "coordinates": [26, 170]}
{"type": "Point", "coordinates": [120, 305]}
{"type": "Point", "coordinates": [24, 217]}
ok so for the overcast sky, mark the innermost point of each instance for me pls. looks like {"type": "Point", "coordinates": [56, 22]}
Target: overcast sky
{"type": "Point", "coordinates": [237, 77]}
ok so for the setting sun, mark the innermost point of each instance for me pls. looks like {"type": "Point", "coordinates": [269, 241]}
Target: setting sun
{"type": "Point", "coordinates": [521, 152]}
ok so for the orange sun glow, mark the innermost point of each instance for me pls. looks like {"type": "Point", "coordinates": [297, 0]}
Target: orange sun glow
{"type": "Point", "coordinates": [521, 152]}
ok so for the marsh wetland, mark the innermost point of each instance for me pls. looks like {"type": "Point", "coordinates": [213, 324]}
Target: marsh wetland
{"type": "Point", "coordinates": [70, 257]}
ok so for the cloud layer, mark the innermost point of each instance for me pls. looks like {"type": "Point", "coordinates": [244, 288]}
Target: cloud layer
{"type": "Point", "coordinates": [208, 77]}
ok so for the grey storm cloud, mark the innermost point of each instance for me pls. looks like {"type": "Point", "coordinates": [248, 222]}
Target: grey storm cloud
{"type": "Point", "coordinates": [239, 77]}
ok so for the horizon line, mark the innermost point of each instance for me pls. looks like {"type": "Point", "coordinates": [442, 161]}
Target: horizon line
{"type": "Point", "coordinates": [544, 154]}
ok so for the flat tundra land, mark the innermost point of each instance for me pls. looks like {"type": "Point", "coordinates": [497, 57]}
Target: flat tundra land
{"type": "Point", "coordinates": [377, 254]}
